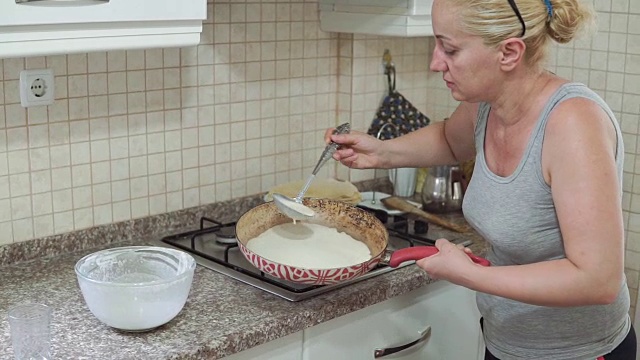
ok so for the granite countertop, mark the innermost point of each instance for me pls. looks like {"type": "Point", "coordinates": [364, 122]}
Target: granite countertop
{"type": "Point", "coordinates": [222, 316]}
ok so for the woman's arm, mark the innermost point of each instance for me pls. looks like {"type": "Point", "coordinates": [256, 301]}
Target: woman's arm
{"type": "Point", "coordinates": [579, 164]}
{"type": "Point", "coordinates": [445, 142]}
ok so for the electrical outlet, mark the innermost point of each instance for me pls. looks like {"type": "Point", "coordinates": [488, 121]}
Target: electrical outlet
{"type": "Point", "coordinates": [36, 87]}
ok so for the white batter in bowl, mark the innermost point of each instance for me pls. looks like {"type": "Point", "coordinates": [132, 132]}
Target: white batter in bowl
{"type": "Point", "coordinates": [135, 288]}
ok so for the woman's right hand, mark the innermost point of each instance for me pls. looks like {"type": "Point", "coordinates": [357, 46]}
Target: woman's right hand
{"type": "Point", "coordinates": [357, 150]}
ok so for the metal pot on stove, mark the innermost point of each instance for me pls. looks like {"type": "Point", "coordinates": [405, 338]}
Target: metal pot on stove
{"type": "Point", "coordinates": [443, 189]}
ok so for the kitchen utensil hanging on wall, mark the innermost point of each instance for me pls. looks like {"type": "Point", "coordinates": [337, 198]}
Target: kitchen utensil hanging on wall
{"type": "Point", "coordinates": [395, 109]}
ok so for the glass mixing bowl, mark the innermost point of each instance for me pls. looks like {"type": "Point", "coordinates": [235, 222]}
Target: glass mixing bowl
{"type": "Point", "coordinates": [135, 288]}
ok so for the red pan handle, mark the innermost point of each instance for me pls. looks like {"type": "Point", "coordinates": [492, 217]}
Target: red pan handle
{"type": "Point", "coordinates": [421, 252]}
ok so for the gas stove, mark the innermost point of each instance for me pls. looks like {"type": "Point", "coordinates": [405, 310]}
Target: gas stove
{"type": "Point", "coordinates": [213, 245]}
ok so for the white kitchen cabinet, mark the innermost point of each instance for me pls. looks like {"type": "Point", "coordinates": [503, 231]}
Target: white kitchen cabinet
{"type": "Point", "coordinates": [407, 18]}
{"type": "Point", "coordinates": [449, 310]}
{"type": "Point", "coordinates": [284, 348]}
{"type": "Point", "coordinates": [45, 27]}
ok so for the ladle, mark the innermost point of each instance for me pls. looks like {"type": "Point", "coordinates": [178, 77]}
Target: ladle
{"type": "Point", "coordinates": [294, 208]}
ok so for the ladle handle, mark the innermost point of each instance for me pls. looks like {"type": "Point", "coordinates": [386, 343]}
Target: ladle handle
{"type": "Point", "coordinates": [421, 252]}
{"type": "Point", "coordinates": [331, 148]}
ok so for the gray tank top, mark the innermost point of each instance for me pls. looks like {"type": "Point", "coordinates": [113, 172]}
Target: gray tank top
{"type": "Point", "coordinates": [516, 215]}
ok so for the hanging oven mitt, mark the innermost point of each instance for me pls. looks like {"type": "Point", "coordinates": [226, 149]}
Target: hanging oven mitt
{"type": "Point", "coordinates": [398, 111]}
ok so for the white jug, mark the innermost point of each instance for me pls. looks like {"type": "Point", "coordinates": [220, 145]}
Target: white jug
{"type": "Point", "coordinates": [404, 181]}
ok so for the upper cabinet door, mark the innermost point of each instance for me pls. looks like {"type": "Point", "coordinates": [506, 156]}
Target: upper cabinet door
{"type": "Point", "coordinates": [46, 27]}
{"type": "Point", "coordinates": [406, 18]}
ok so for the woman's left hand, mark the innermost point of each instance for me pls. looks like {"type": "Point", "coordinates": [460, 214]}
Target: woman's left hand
{"type": "Point", "coordinates": [451, 263]}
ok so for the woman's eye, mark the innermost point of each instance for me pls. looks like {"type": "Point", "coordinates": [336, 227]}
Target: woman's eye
{"type": "Point", "coordinates": [444, 48]}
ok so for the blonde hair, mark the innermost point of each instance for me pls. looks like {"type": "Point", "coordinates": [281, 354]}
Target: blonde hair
{"type": "Point", "coordinates": [495, 21]}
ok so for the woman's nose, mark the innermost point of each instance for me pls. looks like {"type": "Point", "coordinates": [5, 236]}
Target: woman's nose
{"type": "Point", "coordinates": [437, 64]}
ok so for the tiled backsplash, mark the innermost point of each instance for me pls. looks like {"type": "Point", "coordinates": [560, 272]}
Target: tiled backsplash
{"type": "Point", "coordinates": [145, 132]}
{"type": "Point", "coordinates": [138, 133]}
{"type": "Point", "coordinates": [363, 84]}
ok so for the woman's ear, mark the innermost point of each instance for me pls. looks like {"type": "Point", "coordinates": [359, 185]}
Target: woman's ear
{"type": "Point", "coordinates": [512, 53]}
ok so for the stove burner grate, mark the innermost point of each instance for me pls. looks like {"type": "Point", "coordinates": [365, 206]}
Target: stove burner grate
{"type": "Point", "coordinates": [218, 227]}
{"type": "Point", "coordinates": [226, 253]}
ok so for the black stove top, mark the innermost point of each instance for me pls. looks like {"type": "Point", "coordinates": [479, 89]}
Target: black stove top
{"type": "Point", "coordinates": [213, 245]}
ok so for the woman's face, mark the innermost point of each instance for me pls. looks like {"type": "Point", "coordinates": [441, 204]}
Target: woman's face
{"type": "Point", "coordinates": [469, 68]}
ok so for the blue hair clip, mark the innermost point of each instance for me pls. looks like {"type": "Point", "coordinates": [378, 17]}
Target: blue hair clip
{"type": "Point", "coordinates": [549, 8]}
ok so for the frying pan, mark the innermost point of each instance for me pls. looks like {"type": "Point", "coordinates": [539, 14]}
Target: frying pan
{"type": "Point", "coordinates": [358, 223]}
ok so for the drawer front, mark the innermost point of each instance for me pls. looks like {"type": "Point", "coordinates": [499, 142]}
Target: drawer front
{"type": "Point", "coordinates": [47, 12]}
{"type": "Point", "coordinates": [285, 348]}
{"type": "Point", "coordinates": [448, 310]}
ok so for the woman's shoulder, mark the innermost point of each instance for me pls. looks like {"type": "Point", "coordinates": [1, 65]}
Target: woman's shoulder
{"type": "Point", "coordinates": [564, 89]}
{"type": "Point", "coordinates": [569, 99]}
{"type": "Point", "coordinates": [466, 111]}
{"type": "Point", "coordinates": [578, 99]}
{"type": "Point", "coordinates": [578, 110]}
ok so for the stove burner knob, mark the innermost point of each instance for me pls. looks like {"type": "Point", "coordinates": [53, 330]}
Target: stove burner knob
{"type": "Point", "coordinates": [401, 223]}
{"type": "Point", "coordinates": [420, 227]}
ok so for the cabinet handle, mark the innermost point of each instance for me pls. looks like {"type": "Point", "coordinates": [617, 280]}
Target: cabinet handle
{"type": "Point", "coordinates": [378, 353]}
{"type": "Point", "coordinates": [62, 2]}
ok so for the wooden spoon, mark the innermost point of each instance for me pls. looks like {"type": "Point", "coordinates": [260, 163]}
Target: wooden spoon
{"type": "Point", "coordinates": [396, 203]}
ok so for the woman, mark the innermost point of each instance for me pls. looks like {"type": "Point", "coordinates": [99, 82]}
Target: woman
{"type": "Point", "coordinates": [546, 188]}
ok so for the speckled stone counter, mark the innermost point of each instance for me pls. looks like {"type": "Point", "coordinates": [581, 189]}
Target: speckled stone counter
{"type": "Point", "coordinates": [222, 316]}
